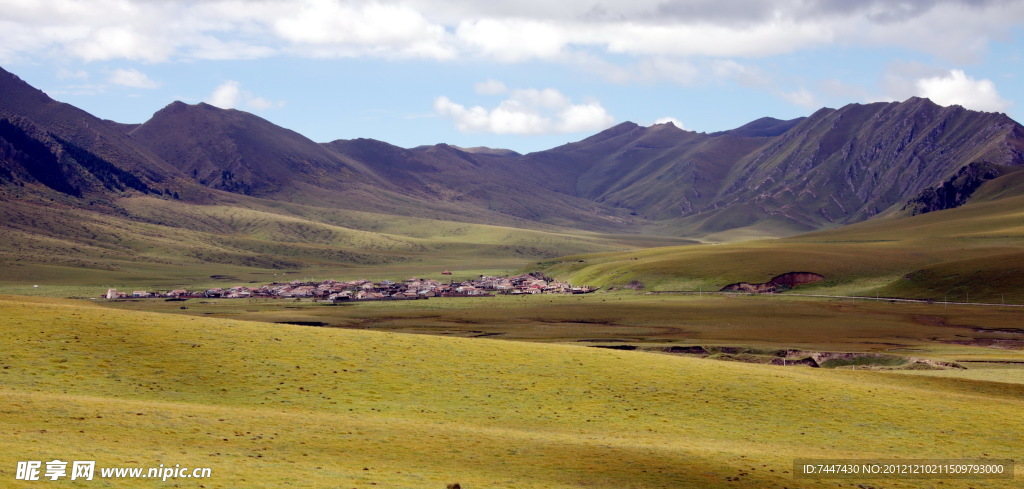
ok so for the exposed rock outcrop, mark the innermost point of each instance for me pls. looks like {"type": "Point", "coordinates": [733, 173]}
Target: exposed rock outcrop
{"type": "Point", "coordinates": [956, 191]}
{"type": "Point", "coordinates": [785, 281]}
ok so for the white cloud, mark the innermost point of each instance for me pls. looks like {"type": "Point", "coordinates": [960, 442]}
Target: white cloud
{"type": "Point", "coordinates": [226, 95]}
{"type": "Point", "coordinates": [260, 103]}
{"type": "Point", "coordinates": [956, 88]}
{"type": "Point", "coordinates": [527, 111]}
{"type": "Point", "coordinates": [67, 74]}
{"type": "Point", "coordinates": [229, 95]}
{"type": "Point", "coordinates": [490, 87]}
{"type": "Point", "coordinates": [86, 89]}
{"type": "Point", "coordinates": [749, 76]}
{"type": "Point", "coordinates": [157, 31]}
{"type": "Point", "coordinates": [959, 31]}
{"type": "Point", "coordinates": [801, 97]}
{"type": "Point", "coordinates": [512, 40]}
{"type": "Point", "coordinates": [703, 39]}
{"type": "Point", "coordinates": [589, 116]}
{"type": "Point", "coordinates": [644, 70]}
{"type": "Point", "coordinates": [519, 39]}
{"type": "Point", "coordinates": [673, 120]}
{"type": "Point", "coordinates": [132, 78]}
{"type": "Point", "coordinates": [121, 42]}
{"type": "Point", "coordinates": [380, 28]}
{"type": "Point", "coordinates": [663, 68]}
{"type": "Point", "coordinates": [899, 80]}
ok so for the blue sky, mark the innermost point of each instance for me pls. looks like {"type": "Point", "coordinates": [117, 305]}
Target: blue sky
{"type": "Point", "coordinates": [526, 75]}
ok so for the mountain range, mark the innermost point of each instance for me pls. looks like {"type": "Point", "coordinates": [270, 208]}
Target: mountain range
{"type": "Point", "coordinates": [767, 178]}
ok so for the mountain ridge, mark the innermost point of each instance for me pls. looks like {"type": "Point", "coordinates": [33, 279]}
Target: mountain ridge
{"type": "Point", "coordinates": [771, 177]}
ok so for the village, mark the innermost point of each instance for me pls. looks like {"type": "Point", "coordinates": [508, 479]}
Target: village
{"type": "Point", "coordinates": [365, 290]}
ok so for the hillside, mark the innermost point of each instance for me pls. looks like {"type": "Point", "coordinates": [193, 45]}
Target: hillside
{"type": "Point", "coordinates": [69, 151]}
{"type": "Point", "coordinates": [160, 243]}
{"type": "Point", "coordinates": [198, 186]}
{"type": "Point", "coordinates": [766, 178]}
{"type": "Point", "coordinates": [969, 253]}
{"type": "Point", "coordinates": [238, 152]}
{"type": "Point", "coordinates": [487, 186]}
{"type": "Point", "coordinates": [266, 405]}
{"type": "Point", "coordinates": [778, 178]}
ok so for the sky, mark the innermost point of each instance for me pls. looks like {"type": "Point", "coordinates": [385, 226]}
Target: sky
{"type": "Point", "coordinates": [527, 75]}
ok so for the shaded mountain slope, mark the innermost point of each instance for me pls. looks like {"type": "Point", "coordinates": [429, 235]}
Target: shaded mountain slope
{"type": "Point", "coordinates": [835, 167]}
{"type": "Point", "coordinates": [68, 150]}
{"type": "Point", "coordinates": [766, 178]}
{"type": "Point", "coordinates": [239, 152]}
{"type": "Point", "coordinates": [498, 185]}
{"type": "Point", "coordinates": [958, 190]}
{"type": "Point", "coordinates": [847, 165]}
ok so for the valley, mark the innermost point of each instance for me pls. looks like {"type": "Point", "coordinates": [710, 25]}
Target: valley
{"type": "Point", "coordinates": [654, 379]}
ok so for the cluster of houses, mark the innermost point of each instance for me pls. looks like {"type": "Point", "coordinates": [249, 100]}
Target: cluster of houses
{"type": "Point", "coordinates": [413, 288]}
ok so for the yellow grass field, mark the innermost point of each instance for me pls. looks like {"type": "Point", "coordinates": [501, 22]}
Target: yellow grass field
{"type": "Point", "coordinates": [269, 405]}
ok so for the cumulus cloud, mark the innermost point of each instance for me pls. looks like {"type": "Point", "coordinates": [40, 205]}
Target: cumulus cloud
{"type": "Point", "coordinates": [132, 78]}
{"type": "Point", "coordinates": [673, 120]}
{"type": "Point", "coordinates": [527, 111]}
{"type": "Point", "coordinates": [121, 42]}
{"type": "Point", "coordinates": [156, 31]}
{"type": "Point", "coordinates": [388, 29]}
{"type": "Point", "coordinates": [956, 88]}
{"type": "Point", "coordinates": [226, 95]}
{"type": "Point", "coordinates": [512, 40]}
{"type": "Point", "coordinates": [230, 95]}
{"type": "Point", "coordinates": [688, 43]}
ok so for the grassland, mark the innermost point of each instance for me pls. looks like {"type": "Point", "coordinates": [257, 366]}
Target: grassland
{"type": "Point", "coordinates": [269, 405]}
{"type": "Point", "coordinates": [923, 330]}
{"type": "Point", "coordinates": [973, 253]}
{"type": "Point", "coordinates": [227, 384]}
{"type": "Point", "coordinates": [157, 243]}
{"type": "Point", "coordinates": [969, 254]}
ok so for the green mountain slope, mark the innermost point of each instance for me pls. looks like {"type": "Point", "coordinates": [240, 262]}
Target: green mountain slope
{"type": "Point", "coordinates": [971, 252]}
{"type": "Point", "coordinates": [168, 243]}
{"type": "Point", "coordinates": [197, 186]}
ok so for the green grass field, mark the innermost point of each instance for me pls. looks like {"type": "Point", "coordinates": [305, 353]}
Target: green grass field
{"type": "Point", "coordinates": [269, 405]}
{"type": "Point", "coordinates": [226, 384]}
{"type": "Point", "coordinates": [969, 254]}
{"type": "Point", "coordinates": [154, 243]}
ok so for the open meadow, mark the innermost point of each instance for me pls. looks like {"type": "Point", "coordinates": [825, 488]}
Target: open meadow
{"type": "Point", "coordinates": [622, 388]}
{"type": "Point", "coordinates": [151, 243]}
{"type": "Point", "coordinates": [275, 405]}
{"type": "Point", "coordinates": [968, 254]}
{"type": "Point", "coordinates": [392, 244]}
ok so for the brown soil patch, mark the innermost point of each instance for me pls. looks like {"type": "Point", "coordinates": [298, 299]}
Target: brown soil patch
{"type": "Point", "coordinates": [785, 281]}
